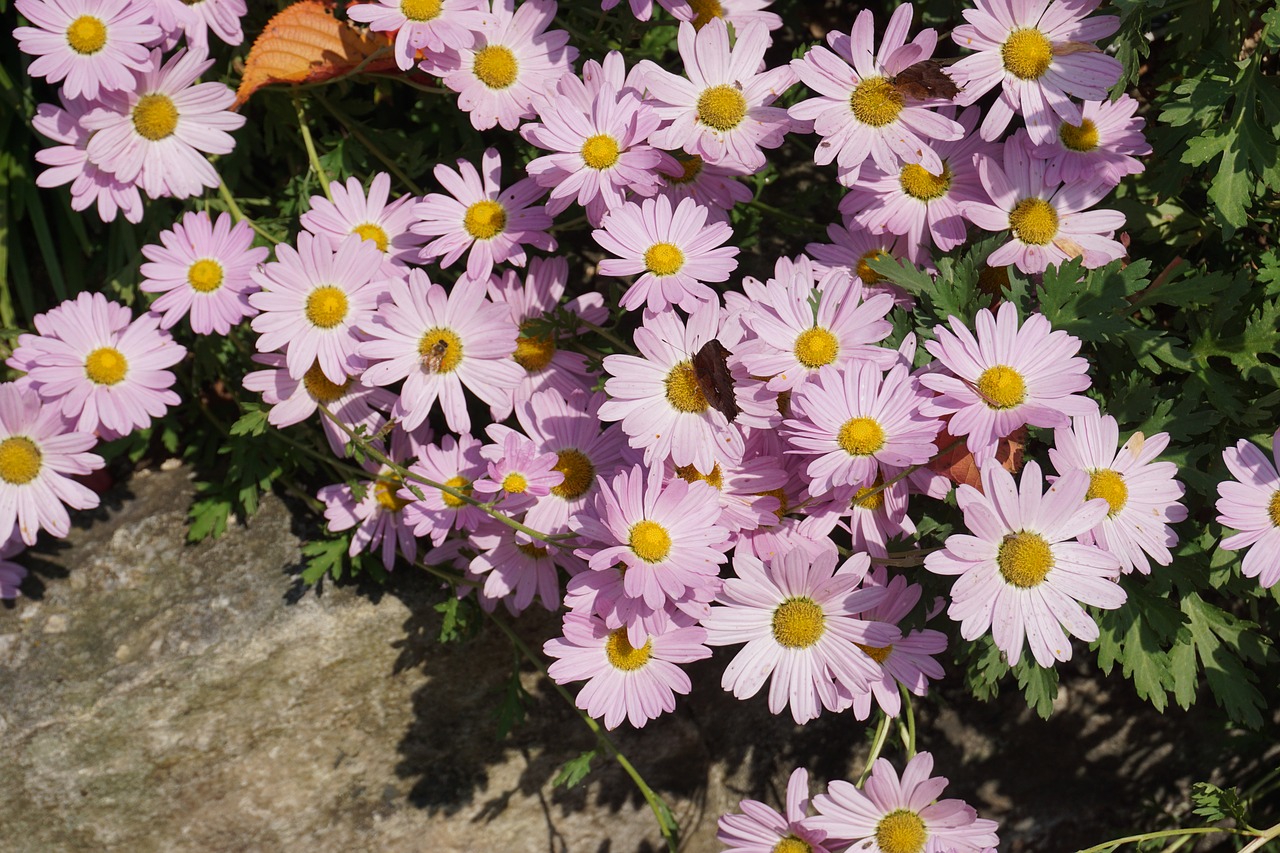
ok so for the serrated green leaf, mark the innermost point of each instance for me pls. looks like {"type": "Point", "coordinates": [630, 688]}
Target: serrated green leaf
{"type": "Point", "coordinates": [251, 423]}
{"type": "Point", "coordinates": [325, 557]}
{"type": "Point", "coordinates": [1039, 685]}
{"type": "Point", "coordinates": [573, 771]}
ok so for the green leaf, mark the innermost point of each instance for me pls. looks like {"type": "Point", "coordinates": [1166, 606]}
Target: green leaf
{"type": "Point", "coordinates": [1039, 685]}
{"type": "Point", "coordinates": [1215, 804]}
{"type": "Point", "coordinates": [511, 710]}
{"type": "Point", "coordinates": [325, 557]}
{"type": "Point", "coordinates": [1225, 647]}
{"type": "Point", "coordinates": [251, 423]}
{"type": "Point", "coordinates": [573, 771]}
{"type": "Point", "coordinates": [459, 621]}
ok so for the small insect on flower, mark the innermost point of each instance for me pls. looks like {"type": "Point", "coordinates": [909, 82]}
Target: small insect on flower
{"type": "Point", "coordinates": [925, 80]}
{"type": "Point", "coordinates": [711, 370]}
{"type": "Point", "coordinates": [433, 360]}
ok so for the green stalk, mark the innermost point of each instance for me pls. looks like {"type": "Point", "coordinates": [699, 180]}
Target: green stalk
{"type": "Point", "coordinates": [877, 745]}
{"type": "Point", "coordinates": [311, 148]}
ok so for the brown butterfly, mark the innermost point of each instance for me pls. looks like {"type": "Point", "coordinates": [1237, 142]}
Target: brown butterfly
{"type": "Point", "coordinates": [925, 80]}
{"type": "Point", "coordinates": [711, 369]}
{"type": "Point", "coordinates": [435, 356]}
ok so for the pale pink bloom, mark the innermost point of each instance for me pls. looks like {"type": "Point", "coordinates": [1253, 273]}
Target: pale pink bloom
{"type": "Point", "coordinates": [372, 218]}
{"type": "Point", "coordinates": [853, 423]}
{"type": "Point", "coordinates": [793, 340]}
{"type": "Point", "coordinates": [11, 573]}
{"type": "Point", "coordinates": [1005, 377]}
{"type": "Point", "coordinates": [736, 13]}
{"type": "Point", "coordinates": [657, 398]}
{"type": "Point", "coordinates": [515, 571]}
{"type": "Point", "coordinates": [153, 133]}
{"type": "Point", "coordinates": [744, 487]}
{"type": "Point", "coordinates": [1142, 494]}
{"type": "Point", "coordinates": [513, 60]}
{"type": "Point", "coordinates": [439, 342]}
{"type": "Point", "coordinates": [430, 26]}
{"type": "Point", "coordinates": [713, 186]}
{"type": "Point", "coordinates": [69, 163]}
{"type": "Point", "coordinates": [858, 112]}
{"type": "Point", "coordinates": [853, 247]}
{"type": "Point", "coordinates": [433, 512]}
{"type": "Point", "coordinates": [799, 620]}
{"type": "Point", "coordinates": [1023, 577]}
{"type": "Point", "coordinates": [39, 454]}
{"type": "Point", "coordinates": [1251, 504]}
{"type": "Point", "coordinates": [518, 471]}
{"type": "Point", "coordinates": [674, 251]}
{"type": "Point", "coordinates": [93, 45]}
{"type": "Point", "coordinates": [761, 829]}
{"type": "Point", "coordinates": [1048, 223]}
{"type": "Point", "coordinates": [292, 401]}
{"type": "Point", "coordinates": [1041, 54]}
{"type": "Point", "coordinates": [195, 18]}
{"type": "Point", "coordinates": [479, 217]}
{"type": "Point", "coordinates": [1099, 147]}
{"type": "Point", "coordinates": [722, 111]}
{"type": "Point", "coordinates": [630, 682]}
{"type": "Point", "coordinates": [101, 368]}
{"type": "Point", "coordinates": [603, 593]}
{"type": "Point", "coordinates": [871, 517]}
{"type": "Point", "coordinates": [643, 9]}
{"type": "Point", "coordinates": [204, 270]}
{"type": "Point", "coordinates": [906, 810]}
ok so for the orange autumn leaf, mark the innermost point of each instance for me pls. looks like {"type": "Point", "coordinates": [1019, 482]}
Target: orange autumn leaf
{"type": "Point", "coordinates": [957, 463]}
{"type": "Point", "coordinates": [304, 43]}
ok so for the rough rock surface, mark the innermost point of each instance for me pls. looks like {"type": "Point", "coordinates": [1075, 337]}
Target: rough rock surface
{"type": "Point", "coordinates": [161, 696]}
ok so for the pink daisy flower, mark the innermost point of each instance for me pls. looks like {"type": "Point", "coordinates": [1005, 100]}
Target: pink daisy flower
{"type": "Point", "coordinates": [479, 216]}
{"type": "Point", "coordinates": [92, 45]}
{"type": "Point", "coordinates": [101, 368]}
{"type": "Point", "coordinates": [637, 683]}
{"type": "Point", "coordinates": [858, 112]}
{"type": "Point", "coordinates": [721, 112]}
{"type": "Point", "coordinates": [1048, 223]}
{"type": "Point", "coordinates": [351, 212]}
{"type": "Point", "coordinates": [456, 463]}
{"type": "Point", "coordinates": [657, 397]}
{"type": "Point", "coordinates": [11, 573]}
{"type": "Point", "coordinates": [430, 26]}
{"type": "Point", "coordinates": [154, 133]}
{"type": "Point", "coordinates": [738, 13]}
{"type": "Point", "coordinates": [205, 270]}
{"type": "Point", "coordinates": [512, 61]}
{"type": "Point", "coordinates": [643, 9]}
{"type": "Point", "coordinates": [1041, 55]}
{"type": "Point", "coordinates": [313, 300]}
{"type": "Point", "coordinates": [675, 251]}
{"type": "Point", "coordinates": [69, 163]}
{"type": "Point", "coordinates": [798, 618]}
{"type": "Point", "coordinates": [892, 815]}
{"type": "Point", "coordinates": [745, 487]}
{"type": "Point", "coordinates": [518, 470]}
{"type": "Point", "coordinates": [853, 247]}
{"type": "Point", "coordinates": [761, 829]}
{"type": "Point", "coordinates": [856, 421]}
{"type": "Point", "coordinates": [38, 457]}
{"type": "Point", "coordinates": [292, 401]}
{"type": "Point", "coordinates": [438, 342]}
{"type": "Point", "coordinates": [1005, 377]}
{"type": "Point", "coordinates": [665, 534]}
{"type": "Point", "coordinates": [1142, 494]}
{"type": "Point", "coordinates": [713, 186]}
{"type": "Point", "coordinates": [1023, 577]}
{"type": "Point", "coordinates": [516, 571]}
{"type": "Point", "coordinates": [195, 18]}
{"type": "Point", "coordinates": [1251, 504]}
{"type": "Point", "coordinates": [1100, 146]}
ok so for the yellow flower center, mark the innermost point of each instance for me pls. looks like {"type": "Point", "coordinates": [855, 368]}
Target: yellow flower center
{"type": "Point", "coordinates": [901, 831]}
{"type": "Point", "coordinates": [87, 35]}
{"type": "Point", "coordinates": [1027, 53]}
{"type": "Point", "coordinates": [876, 102]}
{"type": "Point", "coordinates": [868, 498]}
{"type": "Point", "coordinates": [106, 366]}
{"type": "Point", "coordinates": [460, 483]}
{"type": "Point", "coordinates": [578, 472]}
{"type": "Point", "coordinates": [791, 844]}
{"type": "Point", "coordinates": [326, 306]}
{"type": "Point", "coordinates": [1273, 508]}
{"type": "Point", "coordinates": [816, 347]}
{"type": "Point", "coordinates": [865, 272]}
{"type": "Point", "coordinates": [1034, 221]}
{"type": "Point", "coordinates": [624, 656]}
{"type": "Point", "coordinates": [704, 11]}
{"type": "Point", "coordinates": [1082, 137]}
{"type": "Point", "coordinates": [19, 460]}
{"type": "Point", "coordinates": [155, 116]}
{"type": "Point", "coordinates": [496, 66]}
{"type": "Point", "coordinates": [421, 10]}
{"type": "Point", "coordinates": [600, 151]}
{"type": "Point", "coordinates": [515, 483]}
{"type": "Point", "coordinates": [376, 233]}
{"type": "Point", "coordinates": [385, 492]}
{"type": "Point", "coordinates": [690, 169]}
{"type": "Point", "coordinates": [1002, 386]}
{"type": "Point", "coordinates": [534, 353]}
{"type": "Point", "coordinates": [485, 220]}
{"type": "Point", "coordinates": [722, 107]}
{"type": "Point", "coordinates": [783, 504]}
{"type": "Point", "coordinates": [319, 386]}
{"type": "Point", "coordinates": [798, 623]}
{"type": "Point", "coordinates": [919, 183]}
{"type": "Point", "coordinates": [1110, 485]}
{"type": "Point", "coordinates": [440, 350]}
{"type": "Point", "coordinates": [1024, 559]}
{"type": "Point", "coordinates": [690, 474]}
{"type": "Point", "coordinates": [664, 259]}
{"type": "Point", "coordinates": [537, 552]}
{"type": "Point", "coordinates": [205, 275]}
{"type": "Point", "coordinates": [683, 391]}
{"type": "Point", "coordinates": [879, 654]}
{"type": "Point", "coordinates": [650, 541]}
{"type": "Point", "coordinates": [861, 436]}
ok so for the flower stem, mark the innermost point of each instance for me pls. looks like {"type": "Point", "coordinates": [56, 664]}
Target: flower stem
{"type": "Point", "coordinates": [907, 472]}
{"type": "Point", "coordinates": [311, 148]}
{"type": "Point", "coordinates": [1109, 846]}
{"type": "Point", "coordinates": [609, 336]}
{"type": "Point", "coordinates": [238, 215]}
{"type": "Point", "coordinates": [877, 744]}
{"type": "Point", "coordinates": [909, 729]}
{"type": "Point", "coordinates": [364, 140]}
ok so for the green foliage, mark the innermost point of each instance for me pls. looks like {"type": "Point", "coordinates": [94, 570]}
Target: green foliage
{"type": "Point", "coordinates": [573, 771]}
{"type": "Point", "coordinates": [1215, 804]}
